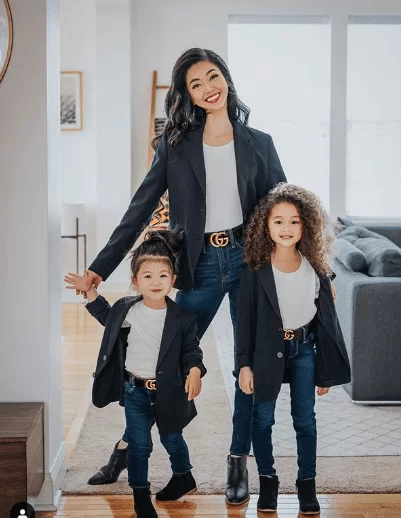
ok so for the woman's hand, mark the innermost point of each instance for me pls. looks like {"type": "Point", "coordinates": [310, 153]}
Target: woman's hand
{"type": "Point", "coordinates": [193, 384]}
{"type": "Point", "coordinates": [80, 285]}
{"type": "Point", "coordinates": [321, 391]}
{"type": "Point", "coordinates": [246, 380]}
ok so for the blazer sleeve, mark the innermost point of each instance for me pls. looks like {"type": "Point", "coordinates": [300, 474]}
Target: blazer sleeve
{"type": "Point", "coordinates": [99, 309]}
{"type": "Point", "coordinates": [275, 173]}
{"type": "Point", "coordinates": [192, 354]}
{"type": "Point", "coordinates": [139, 211]}
{"type": "Point", "coordinates": [245, 321]}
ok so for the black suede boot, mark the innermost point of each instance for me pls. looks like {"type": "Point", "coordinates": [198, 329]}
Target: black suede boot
{"type": "Point", "coordinates": [178, 486]}
{"type": "Point", "coordinates": [143, 503]}
{"type": "Point", "coordinates": [268, 494]}
{"type": "Point", "coordinates": [308, 503]}
{"type": "Point", "coordinates": [109, 473]}
{"type": "Point", "coordinates": [237, 491]}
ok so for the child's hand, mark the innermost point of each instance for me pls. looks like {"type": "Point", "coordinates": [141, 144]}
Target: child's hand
{"type": "Point", "coordinates": [321, 391]}
{"type": "Point", "coordinates": [79, 283]}
{"type": "Point", "coordinates": [333, 290]}
{"type": "Point", "coordinates": [246, 380]}
{"type": "Point", "coordinates": [76, 282]}
{"type": "Point", "coordinates": [193, 384]}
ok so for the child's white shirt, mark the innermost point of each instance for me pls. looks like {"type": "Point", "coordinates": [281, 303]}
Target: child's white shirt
{"type": "Point", "coordinates": [296, 293]}
{"type": "Point", "coordinates": [144, 339]}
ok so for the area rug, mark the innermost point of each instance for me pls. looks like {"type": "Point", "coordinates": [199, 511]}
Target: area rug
{"type": "Point", "coordinates": [208, 438]}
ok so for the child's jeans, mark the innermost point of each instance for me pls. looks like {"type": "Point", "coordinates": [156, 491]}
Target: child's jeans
{"type": "Point", "coordinates": [140, 406]}
{"type": "Point", "coordinates": [300, 360]}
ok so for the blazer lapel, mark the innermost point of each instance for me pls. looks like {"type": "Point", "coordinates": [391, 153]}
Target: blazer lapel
{"type": "Point", "coordinates": [193, 147]}
{"type": "Point", "coordinates": [266, 277]}
{"type": "Point", "coordinates": [245, 158]}
{"type": "Point", "coordinates": [170, 329]}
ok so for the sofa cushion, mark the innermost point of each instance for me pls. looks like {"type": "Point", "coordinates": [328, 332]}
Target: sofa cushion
{"type": "Point", "coordinates": [382, 255]}
{"type": "Point", "coordinates": [350, 256]}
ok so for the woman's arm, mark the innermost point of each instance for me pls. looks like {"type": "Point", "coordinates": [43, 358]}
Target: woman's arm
{"type": "Point", "coordinates": [139, 211]}
{"type": "Point", "coordinates": [275, 173]}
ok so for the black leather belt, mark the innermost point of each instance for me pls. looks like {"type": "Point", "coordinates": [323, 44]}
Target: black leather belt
{"type": "Point", "coordinates": [301, 332]}
{"type": "Point", "coordinates": [149, 383]}
{"type": "Point", "coordinates": [224, 237]}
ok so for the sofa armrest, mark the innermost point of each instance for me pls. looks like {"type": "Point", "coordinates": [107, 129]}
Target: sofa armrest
{"type": "Point", "coordinates": [369, 310]}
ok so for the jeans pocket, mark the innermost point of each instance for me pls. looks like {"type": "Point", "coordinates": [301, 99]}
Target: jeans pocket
{"type": "Point", "coordinates": [129, 388]}
{"type": "Point", "coordinates": [239, 242]}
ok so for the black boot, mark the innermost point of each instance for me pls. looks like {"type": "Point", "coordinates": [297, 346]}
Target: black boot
{"type": "Point", "coordinates": [109, 474]}
{"type": "Point", "coordinates": [308, 503]}
{"type": "Point", "coordinates": [178, 486]}
{"type": "Point", "coordinates": [268, 493]}
{"type": "Point", "coordinates": [237, 491]}
{"type": "Point", "coordinates": [143, 503]}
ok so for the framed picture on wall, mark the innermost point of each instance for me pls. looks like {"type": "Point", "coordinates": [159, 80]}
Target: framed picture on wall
{"type": "Point", "coordinates": [71, 101]}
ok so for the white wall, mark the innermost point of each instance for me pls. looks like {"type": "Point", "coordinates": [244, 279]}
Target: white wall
{"type": "Point", "coordinates": [96, 161]}
{"type": "Point", "coordinates": [30, 316]}
{"type": "Point", "coordinates": [162, 30]}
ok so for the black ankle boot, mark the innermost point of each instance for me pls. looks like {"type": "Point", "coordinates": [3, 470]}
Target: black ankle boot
{"type": "Point", "coordinates": [237, 491]}
{"type": "Point", "coordinates": [109, 473]}
{"type": "Point", "coordinates": [178, 486]}
{"type": "Point", "coordinates": [308, 503]}
{"type": "Point", "coordinates": [268, 493]}
{"type": "Point", "coordinates": [143, 503]}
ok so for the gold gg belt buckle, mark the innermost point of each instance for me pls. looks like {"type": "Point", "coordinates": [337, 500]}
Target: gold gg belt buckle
{"type": "Point", "coordinates": [150, 384]}
{"type": "Point", "coordinates": [288, 334]}
{"type": "Point", "coordinates": [218, 239]}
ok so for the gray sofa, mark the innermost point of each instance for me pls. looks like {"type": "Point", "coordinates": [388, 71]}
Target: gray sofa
{"type": "Point", "coordinates": [369, 310]}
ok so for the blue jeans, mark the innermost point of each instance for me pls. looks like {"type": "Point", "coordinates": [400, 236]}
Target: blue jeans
{"type": "Point", "coordinates": [217, 273]}
{"type": "Point", "coordinates": [300, 360]}
{"type": "Point", "coordinates": [140, 405]}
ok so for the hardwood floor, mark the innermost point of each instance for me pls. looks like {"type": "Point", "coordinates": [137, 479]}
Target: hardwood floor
{"type": "Point", "coordinates": [81, 340]}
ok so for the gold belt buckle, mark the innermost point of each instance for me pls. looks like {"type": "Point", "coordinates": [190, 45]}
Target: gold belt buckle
{"type": "Point", "coordinates": [219, 239]}
{"type": "Point", "coordinates": [288, 334]}
{"type": "Point", "coordinates": [150, 384]}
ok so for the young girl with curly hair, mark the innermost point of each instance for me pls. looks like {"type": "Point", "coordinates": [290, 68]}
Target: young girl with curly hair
{"type": "Point", "coordinates": [288, 330]}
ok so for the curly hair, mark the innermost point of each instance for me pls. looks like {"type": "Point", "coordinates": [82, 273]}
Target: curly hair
{"type": "Point", "coordinates": [182, 115]}
{"type": "Point", "coordinates": [317, 234]}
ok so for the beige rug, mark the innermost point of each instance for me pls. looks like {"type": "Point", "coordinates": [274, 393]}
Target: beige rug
{"type": "Point", "coordinates": [208, 438]}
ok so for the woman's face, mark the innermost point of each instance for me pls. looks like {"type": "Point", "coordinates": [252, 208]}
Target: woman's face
{"type": "Point", "coordinates": [207, 86]}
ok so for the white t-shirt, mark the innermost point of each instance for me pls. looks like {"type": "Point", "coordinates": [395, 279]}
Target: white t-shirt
{"type": "Point", "coordinates": [144, 339]}
{"type": "Point", "coordinates": [223, 205]}
{"type": "Point", "coordinates": [296, 293]}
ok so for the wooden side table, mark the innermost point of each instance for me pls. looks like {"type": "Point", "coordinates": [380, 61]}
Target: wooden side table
{"type": "Point", "coordinates": [21, 453]}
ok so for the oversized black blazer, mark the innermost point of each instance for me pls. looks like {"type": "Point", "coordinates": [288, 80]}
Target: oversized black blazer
{"type": "Point", "coordinates": [260, 343]}
{"type": "Point", "coordinates": [179, 352]}
{"type": "Point", "coordinates": [181, 170]}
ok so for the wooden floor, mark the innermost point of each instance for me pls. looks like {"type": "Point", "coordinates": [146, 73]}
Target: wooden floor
{"type": "Point", "coordinates": [81, 339]}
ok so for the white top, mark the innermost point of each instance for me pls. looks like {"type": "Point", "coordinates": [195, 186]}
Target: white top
{"type": "Point", "coordinates": [144, 339]}
{"type": "Point", "coordinates": [223, 206]}
{"type": "Point", "coordinates": [296, 293]}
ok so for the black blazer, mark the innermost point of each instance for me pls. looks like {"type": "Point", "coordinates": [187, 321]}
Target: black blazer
{"type": "Point", "coordinates": [182, 171]}
{"type": "Point", "coordinates": [260, 342]}
{"type": "Point", "coordinates": [179, 352]}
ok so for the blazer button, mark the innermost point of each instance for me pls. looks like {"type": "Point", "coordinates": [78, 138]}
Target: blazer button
{"type": "Point", "coordinates": [279, 329]}
{"type": "Point", "coordinates": [105, 357]}
{"type": "Point", "coordinates": [94, 375]}
{"type": "Point", "coordinates": [279, 355]}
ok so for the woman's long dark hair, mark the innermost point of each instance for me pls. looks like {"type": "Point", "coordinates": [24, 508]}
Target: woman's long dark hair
{"type": "Point", "coordinates": [182, 114]}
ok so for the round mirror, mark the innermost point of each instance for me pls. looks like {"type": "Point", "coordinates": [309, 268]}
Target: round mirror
{"type": "Point", "coordinates": [6, 36]}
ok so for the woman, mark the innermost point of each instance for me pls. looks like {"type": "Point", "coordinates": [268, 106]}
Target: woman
{"type": "Point", "coordinates": [216, 170]}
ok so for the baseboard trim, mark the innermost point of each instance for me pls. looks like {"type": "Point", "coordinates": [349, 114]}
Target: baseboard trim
{"type": "Point", "coordinates": [50, 495]}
